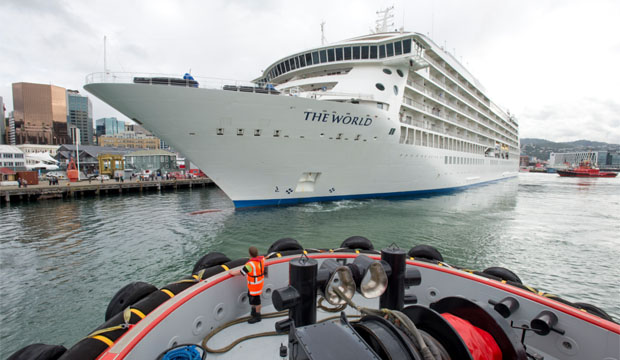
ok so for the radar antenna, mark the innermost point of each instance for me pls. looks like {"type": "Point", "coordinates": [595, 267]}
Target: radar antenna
{"type": "Point", "coordinates": [323, 39]}
{"type": "Point", "coordinates": [385, 20]}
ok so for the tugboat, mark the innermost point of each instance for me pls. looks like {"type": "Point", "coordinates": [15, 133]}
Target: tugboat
{"type": "Point", "coordinates": [585, 169]}
{"type": "Point", "coordinates": [352, 302]}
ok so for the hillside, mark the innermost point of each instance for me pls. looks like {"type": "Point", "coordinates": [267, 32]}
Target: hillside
{"type": "Point", "coordinates": [541, 148]}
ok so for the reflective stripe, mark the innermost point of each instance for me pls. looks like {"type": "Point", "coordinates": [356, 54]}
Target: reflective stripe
{"type": "Point", "coordinates": [103, 339]}
{"type": "Point", "coordinates": [255, 293]}
{"type": "Point", "coordinates": [256, 282]}
{"type": "Point", "coordinates": [138, 312]}
{"type": "Point", "coordinates": [168, 292]}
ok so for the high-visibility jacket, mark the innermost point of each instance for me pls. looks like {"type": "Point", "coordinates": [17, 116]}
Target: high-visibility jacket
{"type": "Point", "coordinates": [255, 270]}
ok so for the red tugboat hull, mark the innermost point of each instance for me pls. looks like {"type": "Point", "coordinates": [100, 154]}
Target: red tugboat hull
{"type": "Point", "coordinates": [571, 173]}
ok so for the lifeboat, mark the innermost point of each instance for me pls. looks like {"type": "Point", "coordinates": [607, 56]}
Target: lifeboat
{"type": "Point", "coordinates": [351, 302]}
{"type": "Point", "coordinates": [585, 169]}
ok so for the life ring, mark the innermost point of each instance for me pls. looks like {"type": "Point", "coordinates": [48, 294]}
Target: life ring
{"type": "Point", "coordinates": [503, 274]}
{"type": "Point", "coordinates": [39, 352]}
{"type": "Point", "coordinates": [357, 242]}
{"type": "Point", "coordinates": [127, 296]}
{"type": "Point", "coordinates": [284, 245]}
{"type": "Point", "coordinates": [425, 252]}
{"type": "Point", "coordinates": [593, 310]}
{"type": "Point", "coordinates": [209, 260]}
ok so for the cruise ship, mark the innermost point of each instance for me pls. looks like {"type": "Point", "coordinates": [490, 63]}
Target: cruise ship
{"type": "Point", "coordinates": [382, 115]}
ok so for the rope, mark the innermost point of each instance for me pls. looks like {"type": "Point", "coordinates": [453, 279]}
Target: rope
{"type": "Point", "coordinates": [251, 336]}
{"type": "Point", "coordinates": [244, 338]}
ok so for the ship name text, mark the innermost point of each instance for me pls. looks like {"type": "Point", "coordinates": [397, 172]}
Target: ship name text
{"type": "Point", "coordinates": [337, 119]}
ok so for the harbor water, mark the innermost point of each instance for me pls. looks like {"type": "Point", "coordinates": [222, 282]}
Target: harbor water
{"type": "Point", "coordinates": [61, 261]}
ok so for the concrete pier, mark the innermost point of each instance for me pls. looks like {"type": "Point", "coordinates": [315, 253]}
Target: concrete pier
{"type": "Point", "coordinates": [69, 190]}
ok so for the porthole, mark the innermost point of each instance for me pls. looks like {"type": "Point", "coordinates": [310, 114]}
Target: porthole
{"type": "Point", "coordinates": [395, 90]}
{"type": "Point", "coordinates": [400, 73]}
{"type": "Point", "coordinates": [380, 86]}
{"type": "Point", "coordinates": [387, 71]}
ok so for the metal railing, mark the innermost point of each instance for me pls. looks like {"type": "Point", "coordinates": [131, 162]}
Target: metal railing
{"type": "Point", "coordinates": [165, 79]}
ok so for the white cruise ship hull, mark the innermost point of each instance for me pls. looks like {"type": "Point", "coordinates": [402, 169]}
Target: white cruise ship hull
{"type": "Point", "coordinates": [263, 149]}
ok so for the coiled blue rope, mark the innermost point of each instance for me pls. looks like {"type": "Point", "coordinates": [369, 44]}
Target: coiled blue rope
{"type": "Point", "coordinates": [185, 352]}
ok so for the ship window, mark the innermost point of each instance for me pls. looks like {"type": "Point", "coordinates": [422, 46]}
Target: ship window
{"type": "Point", "coordinates": [380, 86]}
{"type": "Point", "coordinates": [257, 132]}
{"type": "Point", "coordinates": [390, 49]}
{"type": "Point", "coordinates": [309, 59]}
{"type": "Point", "coordinates": [387, 71]}
{"type": "Point", "coordinates": [339, 54]}
{"type": "Point", "coordinates": [356, 52]}
{"type": "Point", "coordinates": [330, 55]}
{"type": "Point", "coordinates": [302, 61]}
{"type": "Point", "coordinates": [315, 57]}
{"type": "Point", "coordinates": [347, 53]}
{"type": "Point", "coordinates": [406, 46]}
{"type": "Point", "coordinates": [381, 51]}
{"type": "Point", "coordinates": [323, 56]}
{"type": "Point", "coordinates": [286, 65]}
{"type": "Point", "coordinates": [395, 90]}
{"type": "Point", "coordinates": [220, 131]}
{"type": "Point", "coordinates": [364, 52]}
{"type": "Point", "coordinates": [276, 133]}
{"type": "Point", "coordinates": [398, 48]}
{"type": "Point", "coordinates": [373, 52]}
{"type": "Point", "coordinates": [239, 132]}
{"type": "Point", "coordinates": [400, 73]}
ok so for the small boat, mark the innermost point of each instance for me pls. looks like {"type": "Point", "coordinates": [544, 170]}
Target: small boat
{"type": "Point", "coordinates": [585, 169]}
{"type": "Point", "coordinates": [352, 302]}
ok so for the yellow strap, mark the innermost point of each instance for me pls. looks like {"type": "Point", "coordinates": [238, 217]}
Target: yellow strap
{"type": "Point", "coordinates": [225, 267]}
{"type": "Point", "coordinates": [138, 312]}
{"type": "Point", "coordinates": [331, 250]}
{"type": "Point", "coordinates": [357, 251]}
{"type": "Point", "coordinates": [439, 264]}
{"type": "Point", "coordinates": [168, 292]}
{"type": "Point", "coordinates": [305, 252]}
{"type": "Point", "coordinates": [195, 277]}
{"type": "Point", "coordinates": [103, 331]}
{"type": "Point", "coordinates": [411, 258]}
{"type": "Point", "coordinates": [279, 255]}
{"type": "Point", "coordinates": [503, 281]}
{"type": "Point", "coordinates": [103, 339]}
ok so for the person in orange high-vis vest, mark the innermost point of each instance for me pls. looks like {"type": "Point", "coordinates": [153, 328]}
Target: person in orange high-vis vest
{"type": "Point", "coordinates": [254, 270]}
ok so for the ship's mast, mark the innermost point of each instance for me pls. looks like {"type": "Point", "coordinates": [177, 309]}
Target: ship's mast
{"type": "Point", "coordinates": [323, 39]}
{"type": "Point", "coordinates": [385, 20]}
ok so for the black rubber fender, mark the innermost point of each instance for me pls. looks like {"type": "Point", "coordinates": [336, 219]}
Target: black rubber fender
{"type": "Point", "coordinates": [209, 260]}
{"type": "Point", "coordinates": [420, 252]}
{"type": "Point", "coordinates": [284, 244]}
{"type": "Point", "coordinates": [357, 242]}
{"type": "Point", "coordinates": [38, 352]}
{"type": "Point", "coordinates": [593, 310]}
{"type": "Point", "coordinates": [284, 253]}
{"type": "Point", "coordinates": [127, 296]}
{"type": "Point", "coordinates": [90, 348]}
{"type": "Point", "coordinates": [503, 274]}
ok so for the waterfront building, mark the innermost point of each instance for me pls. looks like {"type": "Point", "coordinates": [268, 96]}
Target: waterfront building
{"type": "Point", "coordinates": [524, 161]}
{"type": "Point", "coordinates": [109, 126]}
{"type": "Point", "coordinates": [130, 139]}
{"type": "Point", "coordinates": [12, 157]}
{"type": "Point", "coordinates": [88, 154]}
{"type": "Point", "coordinates": [152, 160]}
{"type": "Point", "coordinates": [563, 160]}
{"type": "Point", "coordinates": [38, 149]}
{"type": "Point", "coordinates": [80, 116]}
{"type": "Point", "coordinates": [40, 114]}
{"type": "Point", "coordinates": [2, 122]}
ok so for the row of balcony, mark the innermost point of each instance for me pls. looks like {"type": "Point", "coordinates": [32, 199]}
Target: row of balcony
{"type": "Point", "coordinates": [487, 130]}
{"type": "Point", "coordinates": [465, 85]}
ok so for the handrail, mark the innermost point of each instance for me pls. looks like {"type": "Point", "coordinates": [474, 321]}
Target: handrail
{"type": "Point", "coordinates": [159, 79]}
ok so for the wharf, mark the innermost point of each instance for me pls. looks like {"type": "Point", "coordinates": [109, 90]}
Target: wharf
{"type": "Point", "coordinates": [69, 190]}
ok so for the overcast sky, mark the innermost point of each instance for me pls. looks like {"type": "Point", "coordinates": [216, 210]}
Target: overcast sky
{"type": "Point", "coordinates": [555, 64]}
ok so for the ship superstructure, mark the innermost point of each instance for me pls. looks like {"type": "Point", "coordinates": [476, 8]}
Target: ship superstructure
{"type": "Point", "coordinates": [385, 114]}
